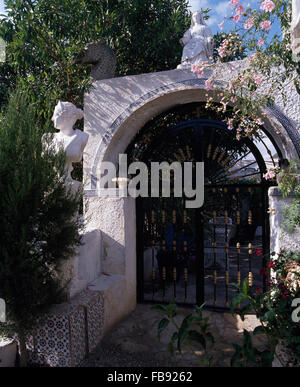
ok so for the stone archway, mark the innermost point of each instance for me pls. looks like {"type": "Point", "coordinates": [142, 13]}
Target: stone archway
{"type": "Point", "coordinates": [115, 110]}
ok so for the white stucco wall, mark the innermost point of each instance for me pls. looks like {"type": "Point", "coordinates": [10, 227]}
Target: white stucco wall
{"type": "Point", "coordinates": [280, 238]}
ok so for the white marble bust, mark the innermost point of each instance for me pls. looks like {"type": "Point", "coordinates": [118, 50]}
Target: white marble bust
{"type": "Point", "coordinates": [198, 43]}
{"type": "Point", "coordinates": [73, 141]}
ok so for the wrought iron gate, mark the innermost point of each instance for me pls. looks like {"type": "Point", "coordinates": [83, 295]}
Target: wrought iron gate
{"type": "Point", "coordinates": [194, 255]}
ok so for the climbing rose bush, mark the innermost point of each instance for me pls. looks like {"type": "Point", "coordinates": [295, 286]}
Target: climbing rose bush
{"type": "Point", "coordinates": [269, 67]}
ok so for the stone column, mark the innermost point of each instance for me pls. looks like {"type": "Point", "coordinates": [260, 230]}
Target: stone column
{"type": "Point", "coordinates": [280, 238]}
{"type": "Point", "coordinates": [115, 217]}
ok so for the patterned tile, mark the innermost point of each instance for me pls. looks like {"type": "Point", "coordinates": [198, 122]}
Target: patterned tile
{"type": "Point", "coordinates": [69, 332]}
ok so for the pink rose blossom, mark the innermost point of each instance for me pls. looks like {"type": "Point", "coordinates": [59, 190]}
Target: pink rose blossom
{"type": "Point", "coordinates": [236, 18]}
{"type": "Point", "coordinates": [221, 24]}
{"type": "Point", "coordinates": [239, 9]}
{"type": "Point", "coordinates": [260, 42]}
{"type": "Point", "coordinates": [194, 68]}
{"type": "Point", "coordinates": [257, 80]}
{"type": "Point", "coordinates": [200, 72]}
{"type": "Point", "coordinates": [234, 2]}
{"type": "Point", "coordinates": [265, 25]}
{"type": "Point", "coordinates": [230, 123]}
{"type": "Point", "coordinates": [248, 24]}
{"type": "Point", "coordinates": [267, 5]}
{"type": "Point", "coordinates": [209, 84]}
{"type": "Point", "coordinates": [269, 175]}
{"type": "Point", "coordinates": [222, 49]}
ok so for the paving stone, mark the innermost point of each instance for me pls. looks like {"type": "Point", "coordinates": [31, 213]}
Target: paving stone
{"type": "Point", "coordinates": [134, 343]}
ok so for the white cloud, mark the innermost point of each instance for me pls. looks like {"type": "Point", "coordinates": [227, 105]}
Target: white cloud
{"type": "Point", "coordinates": [219, 9]}
{"type": "Point", "coordinates": [1, 6]}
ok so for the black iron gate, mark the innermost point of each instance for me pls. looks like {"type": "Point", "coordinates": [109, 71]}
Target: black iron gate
{"type": "Point", "coordinates": [194, 255]}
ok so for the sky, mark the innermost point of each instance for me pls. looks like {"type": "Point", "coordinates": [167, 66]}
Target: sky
{"type": "Point", "coordinates": [219, 9]}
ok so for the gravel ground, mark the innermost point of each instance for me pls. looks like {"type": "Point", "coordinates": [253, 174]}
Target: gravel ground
{"type": "Point", "coordinates": [134, 343]}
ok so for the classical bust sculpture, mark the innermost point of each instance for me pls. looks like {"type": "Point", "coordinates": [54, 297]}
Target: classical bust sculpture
{"type": "Point", "coordinates": [198, 43]}
{"type": "Point", "coordinates": [73, 141]}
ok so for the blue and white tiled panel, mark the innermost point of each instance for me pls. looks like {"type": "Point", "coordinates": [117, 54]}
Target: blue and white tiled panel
{"type": "Point", "coordinates": [59, 340]}
{"type": "Point", "coordinates": [64, 338]}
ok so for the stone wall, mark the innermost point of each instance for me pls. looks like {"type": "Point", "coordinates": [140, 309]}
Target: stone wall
{"type": "Point", "coordinates": [280, 238]}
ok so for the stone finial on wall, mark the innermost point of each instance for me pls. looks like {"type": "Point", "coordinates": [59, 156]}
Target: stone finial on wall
{"type": "Point", "coordinates": [101, 56]}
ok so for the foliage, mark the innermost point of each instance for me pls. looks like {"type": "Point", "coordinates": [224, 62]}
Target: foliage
{"type": "Point", "coordinates": [248, 356]}
{"type": "Point", "coordinates": [43, 37]}
{"type": "Point", "coordinates": [232, 42]}
{"type": "Point", "coordinates": [289, 183]}
{"type": "Point", "coordinates": [270, 70]}
{"type": "Point", "coordinates": [194, 329]}
{"type": "Point", "coordinates": [274, 307]}
{"type": "Point", "coordinates": [194, 332]}
{"type": "Point", "coordinates": [39, 222]}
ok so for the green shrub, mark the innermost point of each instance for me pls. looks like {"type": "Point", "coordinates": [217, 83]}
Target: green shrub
{"type": "Point", "coordinates": [39, 224]}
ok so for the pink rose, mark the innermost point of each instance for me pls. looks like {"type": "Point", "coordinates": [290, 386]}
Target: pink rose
{"type": "Point", "coordinates": [221, 24]}
{"type": "Point", "coordinates": [265, 25]}
{"type": "Point", "coordinates": [236, 18]}
{"type": "Point", "coordinates": [260, 42]}
{"type": "Point", "coordinates": [267, 5]}
{"type": "Point", "coordinates": [269, 175]}
{"type": "Point", "coordinates": [234, 2]}
{"type": "Point", "coordinates": [230, 123]}
{"type": "Point", "coordinates": [248, 24]}
{"type": "Point", "coordinates": [209, 84]}
{"type": "Point", "coordinates": [239, 9]}
{"type": "Point", "coordinates": [194, 68]}
{"type": "Point", "coordinates": [257, 80]}
{"type": "Point", "coordinates": [200, 72]}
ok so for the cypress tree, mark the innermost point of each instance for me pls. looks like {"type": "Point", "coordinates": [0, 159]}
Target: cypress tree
{"type": "Point", "coordinates": [39, 221]}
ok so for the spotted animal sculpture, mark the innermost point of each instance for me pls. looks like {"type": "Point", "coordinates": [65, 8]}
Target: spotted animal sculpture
{"type": "Point", "coordinates": [101, 56]}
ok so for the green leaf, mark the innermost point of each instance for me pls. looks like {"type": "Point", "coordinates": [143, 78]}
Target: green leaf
{"type": "Point", "coordinates": [236, 300]}
{"type": "Point", "coordinates": [196, 336]}
{"type": "Point", "coordinates": [162, 325]}
{"type": "Point", "coordinates": [267, 358]}
{"type": "Point", "coordinates": [183, 330]}
{"type": "Point", "coordinates": [161, 308]}
{"type": "Point", "coordinates": [245, 287]}
{"type": "Point", "coordinates": [259, 330]}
